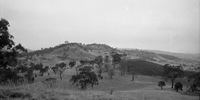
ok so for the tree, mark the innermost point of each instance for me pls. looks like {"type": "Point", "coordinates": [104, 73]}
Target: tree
{"type": "Point", "coordinates": [116, 58]}
{"type": "Point", "coordinates": [99, 61]}
{"type": "Point", "coordinates": [84, 78]}
{"type": "Point", "coordinates": [133, 76]}
{"type": "Point", "coordinates": [8, 53]}
{"type": "Point", "coordinates": [72, 64]}
{"type": "Point", "coordinates": [107, 63]}
{"type": "Point", "coordinates": [111, 72]}
{"type": "Point", "coordinates": [123, 66]}
{"type": "Point", "coordinates": [5, 38]}
{"type": "Point", "coordinates": [59, 69]}
{"type": "Point", "coordinates": [171, 73]}
{"type": "Point", "coordinates": [195, 86]}
{"type": "Point", "coordinates": [178, 86]}
{"type": "Point", "coordinates": [44, 70]}
{"type": "Point", "coordinates": [29, 75]}
{"type": "Point", "coordinates": [161, 84]}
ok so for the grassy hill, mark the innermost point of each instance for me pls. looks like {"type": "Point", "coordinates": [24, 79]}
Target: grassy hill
{"type": "Point", "coordinates": [144, 86]}
{"type": "Point", "coordinates": [78, 51]}
{"type": "Point", "coordinates": [67, 52]}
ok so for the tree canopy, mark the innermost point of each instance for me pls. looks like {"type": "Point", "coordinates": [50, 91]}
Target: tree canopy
{"type": "Point", "coordinates": [84, 78]}
{"type": "Point", "coordinates": [172, 72]}
{"type": "Point", "coordinates": [195, 78]}
{"type": "Point", "coordinates": [8, 53]}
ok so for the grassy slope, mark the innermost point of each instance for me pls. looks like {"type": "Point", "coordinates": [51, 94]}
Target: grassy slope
{"type": "Point", "coordinates": [142, 88]}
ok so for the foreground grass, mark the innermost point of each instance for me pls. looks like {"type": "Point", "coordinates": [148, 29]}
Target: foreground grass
{"type": "Point", "coordinates": [142, 88]}
{"type": "Point", "coordinates": [148, 93]}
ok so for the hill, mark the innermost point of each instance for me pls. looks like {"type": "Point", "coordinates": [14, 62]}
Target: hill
{"type": "Point", "coordinates": [78, 51]}
{"type": "Point", "coordinates": [67, 52]}
{"type": "Point", "coordinates": [195, 57]}
{"type": "Point", "coordinates": [164, 58]}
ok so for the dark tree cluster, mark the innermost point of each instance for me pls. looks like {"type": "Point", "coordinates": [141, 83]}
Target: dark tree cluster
{"type": "Point", "coordinates": [72, 64]}
{"type": "Point", "coordinates": [195, 79]}
{"type": "Point", "coordinates": [40, 67]}
{"type": "Point", "coordinates": [85, 78]}
{"type": "Point", "coordinates": [29, 75]}
{"type": "Point", "coordinates": [91, 62]}
{"type": "Point", "coordinates": [98, 61]}
{"type": "Point", "coordinates": [8, 54]}
{"type": "Point", "coordinates": [178, 86]}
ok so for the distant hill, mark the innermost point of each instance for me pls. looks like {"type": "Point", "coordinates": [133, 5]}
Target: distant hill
{"type": "Point", "coordinates": [180, 55]}
{"type": "Point", "coordinates": [151, 56]}
{"type": "Point", "coordinates": [188, 61]}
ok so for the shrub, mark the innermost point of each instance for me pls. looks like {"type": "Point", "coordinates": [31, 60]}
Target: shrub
{"type": "Point", "coordinates": [161, 84]}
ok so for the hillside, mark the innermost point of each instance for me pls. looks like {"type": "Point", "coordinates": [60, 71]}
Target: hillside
{"type": "Point", "coordinates": [163, 58]}
{"type": "Point", "coordinates": [78, 51]}
{"type": "Point", "coordinates": [144, 67]}
{"type": "Point", "coordinates": [144, 64]}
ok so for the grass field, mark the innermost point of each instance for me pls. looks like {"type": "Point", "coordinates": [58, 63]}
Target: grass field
{"type": "Point", "coordinates": [142, 88]}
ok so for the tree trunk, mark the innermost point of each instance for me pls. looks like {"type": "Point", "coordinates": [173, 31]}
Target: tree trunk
{"type": "Point", "coordinates": [60, 76]}
{"type": "Point", "coordinates": [161, 87]}
{"type": "Point", "coordinates": [76, 71]}
{"type": "Point", "coordinates": [121, 72]}
{"type": "Point", "coordinates": [114, 66]}
{"type": "Point", "coordinates": [132, 77]}
{"type": "Point", "coordinates": [127, 69]}
{"type": "Point", "coordinates": [199, 96]}
{"type": "Point", "coordinates": [172, 84]}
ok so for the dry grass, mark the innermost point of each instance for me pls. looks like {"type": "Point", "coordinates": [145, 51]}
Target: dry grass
{"type": "Point", "coordinates": [142, 88]}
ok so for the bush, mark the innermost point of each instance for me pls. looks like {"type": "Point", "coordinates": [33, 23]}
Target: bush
{"type": "Point", "coordinates": [178, 86]}
{"type": "Point", "coordinates": [161, 84]}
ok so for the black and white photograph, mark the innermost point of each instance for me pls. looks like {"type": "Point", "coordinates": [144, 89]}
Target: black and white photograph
{"type": "Point", "coordinates": [99, 49]}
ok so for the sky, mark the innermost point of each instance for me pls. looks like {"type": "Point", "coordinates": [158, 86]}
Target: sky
{"type": "Point", "coordinates": [169, 25]}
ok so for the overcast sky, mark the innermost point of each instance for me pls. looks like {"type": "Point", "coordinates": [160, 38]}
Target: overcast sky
{"type": "Point", "coordinates": [170, 25]}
